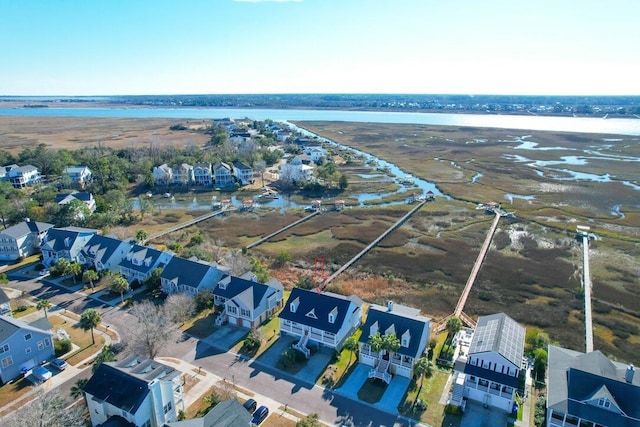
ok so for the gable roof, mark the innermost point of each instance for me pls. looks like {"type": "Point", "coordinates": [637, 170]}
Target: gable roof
{"type": "Point", "coordinates": [25, 227]}
{"type": "Point", "coordinates": [228, 413]}
{"type": "Point", "coordinates": [402, 319]}
{"type": "Point", "coordinates": [3, 297]}
{"type": "Point", "coordinates": [57, 238]}
{"type": "Point", "coordinates": [323, 304]}
{"type": "Point", "coordinates": [83, 196]}
{"type": "Point", "coordinates": [222, 167]}
{"type": "Point", "coordinates": [100, 247]}
{"type": "Point", "coordinates": [189, 272]}
{"type": "Point", "coordinates": [117, 388]}
{"type": "Point", "coordinates": [576, 377]}
{"type": "Point", "coordinates": [231, 287]}
{"type": "Point", "coordinates": [9, 326]}
{"type": "Point", "coordinates": [239, 165]}
{"type": "Point", "coordinates": [141, 253]}
{"type": "Point", "coordinates": [501, 334]}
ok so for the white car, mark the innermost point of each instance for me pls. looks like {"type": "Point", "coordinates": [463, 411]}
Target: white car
{"type": "Point", "coordinates": [44, 272]}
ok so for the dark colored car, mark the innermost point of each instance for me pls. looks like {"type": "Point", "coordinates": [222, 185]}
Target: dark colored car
{"type": "Point", "coordinates": [260, 414]}
{"type": "Point", "coordinates": [250, 405]}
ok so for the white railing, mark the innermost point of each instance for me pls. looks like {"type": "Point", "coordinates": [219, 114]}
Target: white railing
{"type": "Point", "coordinates": [302, 346]}
{"type": "Point", "coordinates": [221, 317]}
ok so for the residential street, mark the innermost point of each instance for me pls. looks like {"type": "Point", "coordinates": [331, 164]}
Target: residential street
{"type": "Point", "coordinates": [252, 375]}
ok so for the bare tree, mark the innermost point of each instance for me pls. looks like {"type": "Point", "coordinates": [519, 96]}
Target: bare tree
{"type": "Point", "coordinates": [153, 330]}
{"type": "Point", "coordinates": [260, 167]}
{"type": "Point", "coordinates": [48, 409]}
{"type": "Point", "coordinates": [236, 261]}
{"type": "Point", "coordinates": [180, 307]}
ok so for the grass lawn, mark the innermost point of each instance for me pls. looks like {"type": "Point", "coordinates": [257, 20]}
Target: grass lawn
{"type": "Point", "coordinates": [17, 313]}
{"type": "Point", "coordinates": [430, 395]}
{"type": "Point", "coordinates": [372, 390]}
{"type": "Point", "coordinates": [202, 325]}
{"type": "Point", "coordinates": [336, 371]}
{"type": "Point", "coordinates": [269, 331]}
{"type": "Point", "coordinates": [202, 406]}
{"type": "Point", "coordinates": [10, 392]}
{"type": "Point", "coordinates": [79, 337]}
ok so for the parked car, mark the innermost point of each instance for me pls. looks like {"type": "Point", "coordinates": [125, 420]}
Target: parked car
{"type": "Point", "coordinates": [44, 272]}
{"type": "Point", "coordinates": [259, 415]}
{"type": "Point", "coordinates": [41, 373]}
{"type": "Point", "coordinates": [250, 405]}
{"type": "Point", "coordinates": [60, 364]}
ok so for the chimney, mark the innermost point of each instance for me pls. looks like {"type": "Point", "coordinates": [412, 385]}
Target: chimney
{"type": "Point", "coordinates": [389, 305]}
{"type": "Point", "coordinates": [628, 376]}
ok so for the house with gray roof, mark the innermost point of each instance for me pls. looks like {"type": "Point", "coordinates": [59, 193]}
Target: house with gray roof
{"type": "Point", "coordinates": [412, 331]}
{"type": "Point", "coordinates": [247, 303]}
{"type": "Point", "coordinates": [190, 276]}
{"type": "Point", "coordinates": [162, 175]}
{"type": "Point", "coordinates": [104, 253]}
{"type": "Point", "coordinates": [228, 413]}
{"type": "Point", "coordinates": [22, 346]}
{"type": "Point", "coordinates": [589, 390]}
{"type": "Point", "coordinates": [22, 240]}
{"type": "Point", "coordinates": [202, 174]}
{"type": "Point", "coordinates": [142, 391]}
{"type": "Point", "coordinates": [64, 243]}
{"type": "Point", "coordinates": [5, 304]}
{"type": "Point", "coordinates": [223, 175]}
{"type": "Point", "coordinates": [83, 197]}
{"type": "Point", "coordinates": [140, 262]}
{"type": "Point", "coordinates": [491, 371]}
{"type": "Point", "coordinates": [243, 172]}
{"type": "Point", "coordinates": [322, 318]}
{"type": "Point", "coordinates": [24, 176]}
{"type": "Point", "coordinates": [78, 175]}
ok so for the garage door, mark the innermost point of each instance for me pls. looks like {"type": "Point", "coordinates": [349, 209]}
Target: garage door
{"type": "Point", "coordinates": [246, 323]}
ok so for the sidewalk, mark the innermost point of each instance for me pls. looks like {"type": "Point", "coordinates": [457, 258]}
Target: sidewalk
{"type": "Point", "coordinates": [208, 379]}
{"type": "Point", "coordinates": [61, 376]}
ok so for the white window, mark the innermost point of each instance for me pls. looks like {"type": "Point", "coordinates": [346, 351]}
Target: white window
{"type": "Point", "coordinates": [167, 407]}
{"type": "Point", "coordinates": [604, 402]}
{"type": "Point", "coordinates": [40, 345]}
{"type": "Point", "coordinates": [245, 313]}
{"type": "Point", "coordinates": [27, 337]}
{"type": "Point", "coordinates": [312, 314]}
{"type": "Point", "coordinates": [27, 350]}
{"type": "Point", "coordinates": [47, 342]}
{"type": "Point", "coordinates": [4, 348]}
{"type": "Point", "coordinates": [7, 361]}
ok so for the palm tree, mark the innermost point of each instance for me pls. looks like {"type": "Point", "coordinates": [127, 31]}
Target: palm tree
{"type": "Point", "coordinates": [90, 276]}
{"type": "Point", "coordinates": [454, 324]}
{"type": "Point", "coordinates": [120, 285]}
{"type": "Point", "coordinates": [44, 304]}
{"type": "Point", "coordinates": [141, 236]}
{"type": "Point", "coordinates": [390, 343]}
{"type": "Point", "coordinates": [73, 269]}
{"type": "Point", "coordinates": [351, 344]}
{"type": "Point", "coordinates": [375, 342]}
{"type": "Point", "coordinates": [90, 319]}
{"type": "Point", "coordinates": [422, 368]}
{"type": "Point", "coordinates": [77, 390]}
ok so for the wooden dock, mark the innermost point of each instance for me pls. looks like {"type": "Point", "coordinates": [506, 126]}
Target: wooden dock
{"type": "Point", "coordinates": [586, 285]}
{"type": "Point", "coordinates": [187, 224]}
{"type": "Point", "coordinates": [375, 242]}
{"type": "Point", "coordinates": [275, 233]}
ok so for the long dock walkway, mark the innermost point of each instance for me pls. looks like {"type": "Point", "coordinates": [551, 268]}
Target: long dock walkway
{"type": "Point", "coordinates": [275, 233]}
{"type": "Point", "coordinates": [187, 224]}
{"type": "Point", "coordinates": [586, 284]}
{"type": "Point", "coordinates": [476, 267]}
{"type": "Point", "coordinates": [375, 242]}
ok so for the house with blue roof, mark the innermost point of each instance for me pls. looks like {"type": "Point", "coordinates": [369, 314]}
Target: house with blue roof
{"type": "Point", "coordinates": [247, 303]}
{"type": "Point", "coordinates": [322, 318]}
{"type": "Point", "coordinates": [490, 373]}
{"type": "Point", "coordinates": [140, 262]}
{"type": "Point", "coordinates": [104, 253]}
{"type": "Point", "coordinates": [588, 389]}
{"type": "Point", "coordinates": [22, 239]}
{"type": "Point", "coordinates": [83, 197]}
{"type": "Point", "coordinates": [190, 276]}
{"type": "Point", "coordinates": [412, 331]}
{"type": "Point", "coordinates": [134, 391]}
{"type": "Point", "coordinates": [64, 243]}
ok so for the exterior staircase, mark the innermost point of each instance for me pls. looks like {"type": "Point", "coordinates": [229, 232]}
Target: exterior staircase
{"type": "Point", "coordinates": [302, 345]}
{"type": "Point", "coordinates": [380, 371]}
{"type": "Point", "coordinates": [221, 317]}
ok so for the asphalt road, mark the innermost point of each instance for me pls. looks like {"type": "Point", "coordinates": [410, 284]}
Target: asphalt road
{"type": "Point", "coordinates": [251, 375]}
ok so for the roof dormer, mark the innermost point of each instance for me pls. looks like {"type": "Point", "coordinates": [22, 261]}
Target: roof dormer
{"type": "Point", "coordinates": [147, 262]}
{"type": "Point", "coordinates": [333, 314]}
{"type": "Point", "coordinates": [294, 305]}
{"type": "Point", "coordinates": [312, 314]}
{"type": "Point", "coordinates": [406, 339]}
{"type": "Point", "coordinates": [67, 242]}
{"type": "Point", "coordinates": [391, 330]}
{"type": "Point", "coordinates": [373, 329]}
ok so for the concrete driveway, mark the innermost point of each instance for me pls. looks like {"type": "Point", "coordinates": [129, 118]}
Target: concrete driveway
{"type": "Point", "coordinates": [394, 394]}
{"type": "Point", "coordinates": [316, 364]}
{"type": "Point", "coordinates": [226, 337]}
{"type": "Point", "coordinates": [353, 384]}
{"type": "Point", "coordinates": [476, 415]}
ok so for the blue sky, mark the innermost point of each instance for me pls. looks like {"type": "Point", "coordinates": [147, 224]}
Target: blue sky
{"type": "Point", "coordinates": [109, 47]}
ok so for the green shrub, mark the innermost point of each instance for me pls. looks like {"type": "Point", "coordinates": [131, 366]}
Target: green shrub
{"type": "Point", "coordinates": [252, 341]}
{"type": "Point", "coordinates": [61, 347]}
